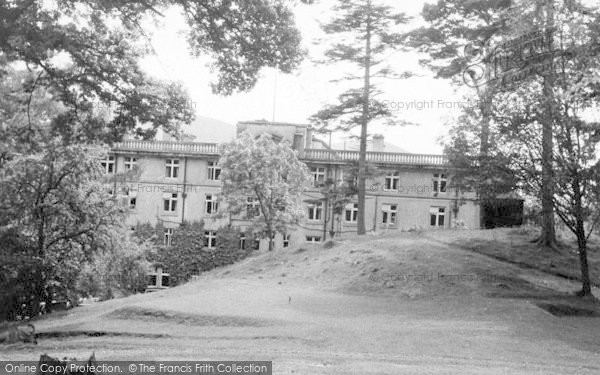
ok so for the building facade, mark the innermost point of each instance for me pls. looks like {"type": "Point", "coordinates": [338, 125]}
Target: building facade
{"type": "Point", "coordinates": [172, 182]}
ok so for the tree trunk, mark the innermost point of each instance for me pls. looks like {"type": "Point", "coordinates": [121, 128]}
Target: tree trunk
{"type": "Point", "coordinates": [548, 235]}
{"type": "Point", "coordinates": [271, 240]}
{"type": "Point", "coordinates": [362, 159]}
{"type": "Point", "coordinates": [586, 289]}
{"type": "Point", "coordinates": [484, 147]}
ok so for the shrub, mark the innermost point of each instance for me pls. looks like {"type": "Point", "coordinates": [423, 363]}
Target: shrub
{"type": "Point", "coordinates": [119, 272]}
{"type": "Point", "coordinates": [20, 276]}
{"type": "Point", "coordinates": [183, 258]}
{"type": "Point", "coordinates": [188, 255]}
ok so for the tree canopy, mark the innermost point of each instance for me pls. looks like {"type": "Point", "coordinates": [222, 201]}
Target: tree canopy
{"type": "Point", "coordinates": [87, 53]}
{"type": "Point", "coordinates": [260, 172]}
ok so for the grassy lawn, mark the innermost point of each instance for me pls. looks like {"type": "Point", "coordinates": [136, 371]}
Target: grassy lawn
{"type": "Point", "coordinates": [394, 303]}
{"type": "Point", "coordinates": [514, 245]}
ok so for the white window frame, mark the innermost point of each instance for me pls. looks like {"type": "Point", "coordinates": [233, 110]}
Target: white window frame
{"type": "Point", "coordinates": [210, 239]}
{"type": "Point", "coordinates": [389, 214]}
{"type": "Point", "coordinates": [108, 164]}
{"type": "Point", "coordinates": [353, 209]}
{"type": "Point", "coordinates": [286, 240]}
{"type": "Point", "coordinates": [318, 174]}
{"type": "Point", "coordinates": [437, 212]}
{"type": "Point", "coordinates": [130, 162]}
{"type": "Point", "coordinates": [171, 198]}
{"type": "Point", "coordinates": [172, 168]}
{"type": "Point", "coordinates": [242, 241]}
{"type": "Point", "coordinates": [440, 183]}
{"type": "Point", "coordinates": [211, 204]}
{"type": "Point", "coordinates": [315, 211]}
{"type": "Point", "coordinates": [313, 239]}
{"type": "Point", "coordinates": [214, 171]}
{"type": "Point", "coordinates": [252, 207]}
{"type": "Point", "coordinates": [168, 237]}
{"type": "Point", "coordinates": [391, 182]}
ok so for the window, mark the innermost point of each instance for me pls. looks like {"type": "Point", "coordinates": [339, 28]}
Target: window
{"type": "Point", "coordinates": [313, 239]}
{"type": "Point", "coordinates": [256, 242]}
{"type": "Point", "coordinates": [210, 239]}
{"type": "Point", "coordinates": [252, 207]}
{"type": "Point", "coordinates": [212, 204]}
{"type": "Point", "coordinates": [437, 216]}
{"type": "Point", "coordinates": [286, 240]}
{"type": "Point", "coordinates": [351, 213]}
{"type": "Point", "coordinates": [168, 238]}
{"type": "Point", "coordinates": [132, 197]}
{"type": "Point", "coordinates": [108, 164]}
{"type": "Point", "coordinates": [214, 172]}
{"type": "Point", "coordinates": [391, 182]}
{"type": "Point", "coordinates": [389, 213]}
{"type": "Point", "coordinates": [315, 211]}
{"type": "Point", "coordinates": [318, 174]}
{"type": "Point", "coordinates": [439, 183]}
{"type": "Point", "coordinates": [170, 202]}
{"type": "Point", "coordinates": [242, 241]}
{"type": "Point", "coordinates": [172, 168]}
{"type": "Point", "coordinates": [130, 163]}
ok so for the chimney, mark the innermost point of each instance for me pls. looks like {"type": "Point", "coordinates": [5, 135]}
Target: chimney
{"type": "Point", "coordinates": [378, 144]}
{"type": "Point", "coordinates": [299, 143]}
{"type": "Point", "coordinates": [309, 137]}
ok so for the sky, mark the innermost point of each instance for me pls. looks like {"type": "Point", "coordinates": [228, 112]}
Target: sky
{"type": "Point", "coordinates": [423, 100]}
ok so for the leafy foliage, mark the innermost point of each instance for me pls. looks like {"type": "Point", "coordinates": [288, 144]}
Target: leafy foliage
{"type": "Point", "coordinates": [116, 272]}
{"type": "Point", "coordinates": [17, 265]}
{"type": "Point", "coordinates": [540, 133]}
{"type": "Point", "coordinates": [55, 199]}
{"type": "Point", "coordinates": [489, 174]}
{"type": "Point", "coordinates": [456, 24]}
{"type": "Point", "coordinates": [271, 173]}
{"type": "Point", "coordinates": [228, 238]}
{"type": "Point", "coordinates": [184, 257]}
{"type": "Point", "coordinates": [367, 30]}
{"type": "Point", "coordinates": [87, 53]}
{"type": "Point", "coordinates": [188, 255]}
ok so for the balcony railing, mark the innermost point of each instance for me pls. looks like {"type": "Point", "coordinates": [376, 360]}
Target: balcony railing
{"type": "Point", "coordinates": [375, 157]}
{"type": "Point", "coordinates": [168, 147]}
{"type": "Point", "coordinates": [193, 148]}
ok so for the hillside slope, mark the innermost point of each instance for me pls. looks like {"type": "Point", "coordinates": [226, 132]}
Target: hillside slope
{"type": "Point", "coordinates": [372, 305]}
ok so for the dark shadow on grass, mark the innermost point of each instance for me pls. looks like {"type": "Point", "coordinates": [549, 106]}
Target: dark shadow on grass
{"type": "Point", "coordinates": [160, 316]}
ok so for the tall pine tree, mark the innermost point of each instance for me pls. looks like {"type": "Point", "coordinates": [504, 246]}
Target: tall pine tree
{"type": "Point", "coordinates": [367, 31]}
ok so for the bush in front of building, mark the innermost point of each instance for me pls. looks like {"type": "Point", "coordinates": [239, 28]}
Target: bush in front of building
{"type": "Point", "coordinates": [230, 247]}
{"type": "Point", "coordinates": [17, 264]}
{"type": "Point", "coordinates": [183, 258]}
{"type": "Point", "coordinates": [188, 253]}
{"type": "Point", "coordinates": [116, 273]}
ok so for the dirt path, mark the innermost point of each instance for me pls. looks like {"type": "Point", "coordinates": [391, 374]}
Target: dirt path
{"type": "Point", "coordinates": [326, 330]}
